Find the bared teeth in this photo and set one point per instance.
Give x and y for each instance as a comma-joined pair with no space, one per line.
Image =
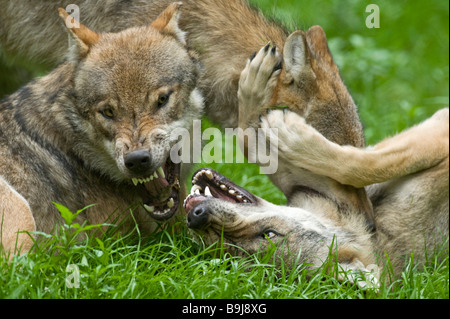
196,190
208,192
209,174
150,209
137,181
160,172
159,213
170,204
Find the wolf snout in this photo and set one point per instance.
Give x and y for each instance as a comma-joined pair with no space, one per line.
198,217
139,162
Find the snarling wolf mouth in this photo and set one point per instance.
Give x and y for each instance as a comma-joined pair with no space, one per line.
208,184
160,191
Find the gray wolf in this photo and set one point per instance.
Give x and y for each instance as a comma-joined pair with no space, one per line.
224,33
405,176
96,130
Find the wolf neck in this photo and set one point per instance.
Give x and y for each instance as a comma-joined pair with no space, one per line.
326,197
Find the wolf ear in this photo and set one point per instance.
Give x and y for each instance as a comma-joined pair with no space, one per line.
167,22
318,45
297,57
81,38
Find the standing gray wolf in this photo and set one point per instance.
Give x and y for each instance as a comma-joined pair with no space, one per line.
406,177
224,33
97,129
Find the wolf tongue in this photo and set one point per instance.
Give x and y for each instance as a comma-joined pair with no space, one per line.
159,189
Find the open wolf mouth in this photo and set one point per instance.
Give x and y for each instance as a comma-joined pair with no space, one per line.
160,191
207,184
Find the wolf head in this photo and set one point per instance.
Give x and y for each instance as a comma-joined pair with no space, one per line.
311,85
131,90
220,211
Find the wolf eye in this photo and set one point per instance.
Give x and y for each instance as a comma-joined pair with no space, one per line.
269,234
107,113
163,99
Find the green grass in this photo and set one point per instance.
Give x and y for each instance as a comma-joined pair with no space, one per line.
398,76
171,265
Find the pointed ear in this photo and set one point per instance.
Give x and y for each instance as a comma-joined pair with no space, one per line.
167,22
81,38
297,57
318,44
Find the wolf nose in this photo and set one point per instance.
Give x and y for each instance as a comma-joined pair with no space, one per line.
138,162
198,217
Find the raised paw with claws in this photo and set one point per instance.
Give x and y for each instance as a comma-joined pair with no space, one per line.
257,84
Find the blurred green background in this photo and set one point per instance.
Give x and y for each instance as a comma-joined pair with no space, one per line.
398,74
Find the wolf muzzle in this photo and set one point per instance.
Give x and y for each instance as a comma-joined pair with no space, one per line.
139,162
198,217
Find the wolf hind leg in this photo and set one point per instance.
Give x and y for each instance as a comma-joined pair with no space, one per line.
16,219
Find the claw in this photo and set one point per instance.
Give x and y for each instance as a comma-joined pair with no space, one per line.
274,49
278,66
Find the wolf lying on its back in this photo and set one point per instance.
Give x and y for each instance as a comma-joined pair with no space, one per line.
97,131
411,201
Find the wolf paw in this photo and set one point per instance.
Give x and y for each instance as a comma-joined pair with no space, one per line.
296,139
288,123
258,80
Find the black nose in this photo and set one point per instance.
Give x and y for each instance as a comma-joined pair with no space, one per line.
198,217
139,162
